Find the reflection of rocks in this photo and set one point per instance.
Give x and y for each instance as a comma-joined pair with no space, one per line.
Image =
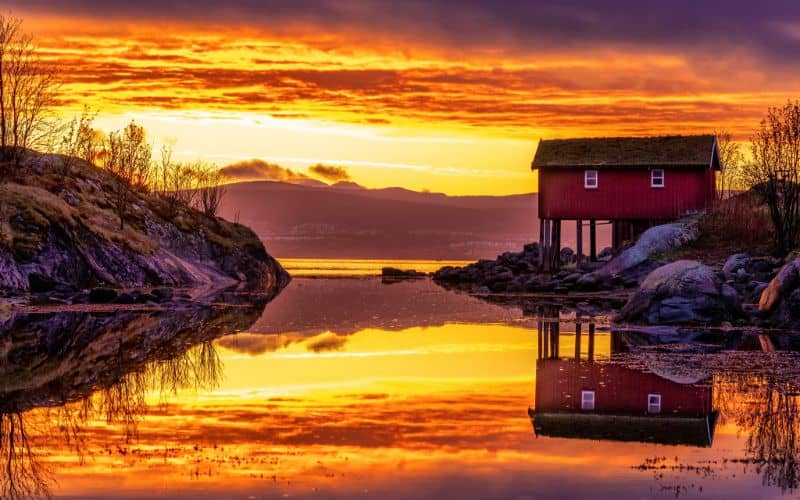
82,365
346,306
681,292
65,356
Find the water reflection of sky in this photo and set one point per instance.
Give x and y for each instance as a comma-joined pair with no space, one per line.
389,410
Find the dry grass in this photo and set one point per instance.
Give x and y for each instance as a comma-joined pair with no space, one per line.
738,224
32,200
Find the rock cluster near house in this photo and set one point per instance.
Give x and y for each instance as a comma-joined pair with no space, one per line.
518,271
682,292
745,290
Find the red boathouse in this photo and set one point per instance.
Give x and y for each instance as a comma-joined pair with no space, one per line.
634,183
581,398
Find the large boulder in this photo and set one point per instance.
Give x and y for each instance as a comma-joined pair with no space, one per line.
656,239
781,297
681,292
635,262
735,263
780,287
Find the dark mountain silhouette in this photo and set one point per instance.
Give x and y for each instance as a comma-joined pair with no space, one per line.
346,220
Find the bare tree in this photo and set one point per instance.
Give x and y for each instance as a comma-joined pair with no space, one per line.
163,173
28,92
731,161
210,190
92,144
775,171
75,141
186,182
129,159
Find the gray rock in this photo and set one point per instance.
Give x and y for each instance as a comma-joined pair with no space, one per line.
780,287
606,254
163,294
70,198
126,298
681,292
736,262
589,282
393,272
567,255
656,239
637,257
103,295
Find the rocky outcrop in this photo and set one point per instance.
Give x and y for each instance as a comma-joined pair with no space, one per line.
681,292
657,239
393,273
511,271
63,232
780,300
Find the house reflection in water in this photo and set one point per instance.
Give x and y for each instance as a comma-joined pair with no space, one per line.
585,399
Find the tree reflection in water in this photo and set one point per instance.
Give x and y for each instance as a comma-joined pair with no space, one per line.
755,387
765,408
61,371
122,404
758,392
22,475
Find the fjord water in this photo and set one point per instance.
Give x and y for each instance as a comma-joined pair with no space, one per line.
350,388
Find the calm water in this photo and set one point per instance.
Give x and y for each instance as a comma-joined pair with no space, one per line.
360,267
354,389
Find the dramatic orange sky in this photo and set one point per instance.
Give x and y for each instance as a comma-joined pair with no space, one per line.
443,95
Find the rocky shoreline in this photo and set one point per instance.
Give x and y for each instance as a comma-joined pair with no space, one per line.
644,285
61,239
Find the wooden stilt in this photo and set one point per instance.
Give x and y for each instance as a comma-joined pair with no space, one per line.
593,240
541,243
547,246
579,245
539,338
556,244
577,341
591,342
614,242
556,338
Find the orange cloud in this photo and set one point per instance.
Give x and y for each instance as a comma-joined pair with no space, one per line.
260,170
330,172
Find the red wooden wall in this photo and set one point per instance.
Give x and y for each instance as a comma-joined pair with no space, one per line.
624,193
618,390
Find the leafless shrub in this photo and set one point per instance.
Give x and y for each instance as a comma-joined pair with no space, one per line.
775,171
28,93
210,189
22,475
729,178
75,141
129,159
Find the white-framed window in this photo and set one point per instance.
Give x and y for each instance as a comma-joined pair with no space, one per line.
657,178
590,179
587,400
654,403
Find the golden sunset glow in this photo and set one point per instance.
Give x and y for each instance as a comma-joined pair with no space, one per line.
396,107
382,411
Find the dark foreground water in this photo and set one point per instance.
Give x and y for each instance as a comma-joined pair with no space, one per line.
344,388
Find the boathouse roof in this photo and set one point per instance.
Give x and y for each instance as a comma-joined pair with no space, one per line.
636,152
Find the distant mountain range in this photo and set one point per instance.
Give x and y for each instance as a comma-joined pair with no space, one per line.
310,219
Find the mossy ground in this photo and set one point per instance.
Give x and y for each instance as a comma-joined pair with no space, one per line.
34,197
